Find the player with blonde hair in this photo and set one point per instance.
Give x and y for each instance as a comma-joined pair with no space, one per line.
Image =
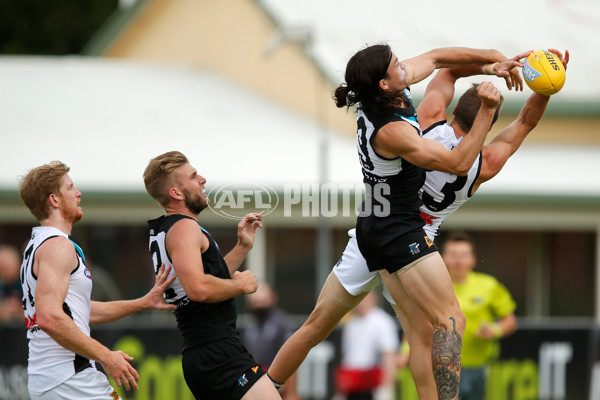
215,363
56,297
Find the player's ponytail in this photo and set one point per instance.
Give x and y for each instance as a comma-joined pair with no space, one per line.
341,96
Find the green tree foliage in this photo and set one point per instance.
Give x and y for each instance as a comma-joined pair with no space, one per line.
50,27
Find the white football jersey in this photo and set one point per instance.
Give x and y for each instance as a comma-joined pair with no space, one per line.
443,193
49,363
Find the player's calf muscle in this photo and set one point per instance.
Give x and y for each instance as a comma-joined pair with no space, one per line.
445,357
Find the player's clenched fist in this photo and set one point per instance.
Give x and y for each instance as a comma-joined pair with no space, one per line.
246,280
490,94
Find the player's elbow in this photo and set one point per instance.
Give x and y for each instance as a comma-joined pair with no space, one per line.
526,123
199,294
530,125
43,323
46,322
462,171
459,164
461,168
454,169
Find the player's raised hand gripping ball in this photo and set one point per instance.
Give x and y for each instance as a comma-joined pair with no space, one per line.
544,72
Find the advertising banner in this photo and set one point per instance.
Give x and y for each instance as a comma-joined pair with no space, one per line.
534,364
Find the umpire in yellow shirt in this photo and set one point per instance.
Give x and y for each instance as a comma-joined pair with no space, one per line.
488,308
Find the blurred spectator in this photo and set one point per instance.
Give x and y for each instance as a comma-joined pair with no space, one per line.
267,331
488,308
369,346
11,294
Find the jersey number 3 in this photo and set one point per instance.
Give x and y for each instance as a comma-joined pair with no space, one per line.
365,160
449,191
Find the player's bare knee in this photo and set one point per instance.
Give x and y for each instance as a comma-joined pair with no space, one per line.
461,321
453,321
454,317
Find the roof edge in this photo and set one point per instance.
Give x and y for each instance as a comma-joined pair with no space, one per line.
119,20
304,47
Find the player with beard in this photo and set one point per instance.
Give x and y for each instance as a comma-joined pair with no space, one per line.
56,297
215,363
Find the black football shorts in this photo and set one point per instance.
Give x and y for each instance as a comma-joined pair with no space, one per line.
220,370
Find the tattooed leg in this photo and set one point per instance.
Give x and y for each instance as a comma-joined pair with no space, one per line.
445,358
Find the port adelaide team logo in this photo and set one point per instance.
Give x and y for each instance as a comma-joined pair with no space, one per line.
233,200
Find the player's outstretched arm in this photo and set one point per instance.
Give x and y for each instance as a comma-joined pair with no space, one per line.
508,70
398,139
421,66
185,243
246,234
507,142
104,312
440,91
437,98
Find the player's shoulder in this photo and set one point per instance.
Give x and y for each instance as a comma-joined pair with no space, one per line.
185,231
398,128
184,226
57,251
55,243
183,220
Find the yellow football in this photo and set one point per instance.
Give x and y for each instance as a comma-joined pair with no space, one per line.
544,73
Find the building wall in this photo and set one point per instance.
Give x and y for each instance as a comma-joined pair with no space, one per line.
231,37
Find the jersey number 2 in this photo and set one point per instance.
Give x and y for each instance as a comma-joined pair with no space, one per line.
155,253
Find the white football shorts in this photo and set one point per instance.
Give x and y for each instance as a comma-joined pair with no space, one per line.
353,273
89,384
